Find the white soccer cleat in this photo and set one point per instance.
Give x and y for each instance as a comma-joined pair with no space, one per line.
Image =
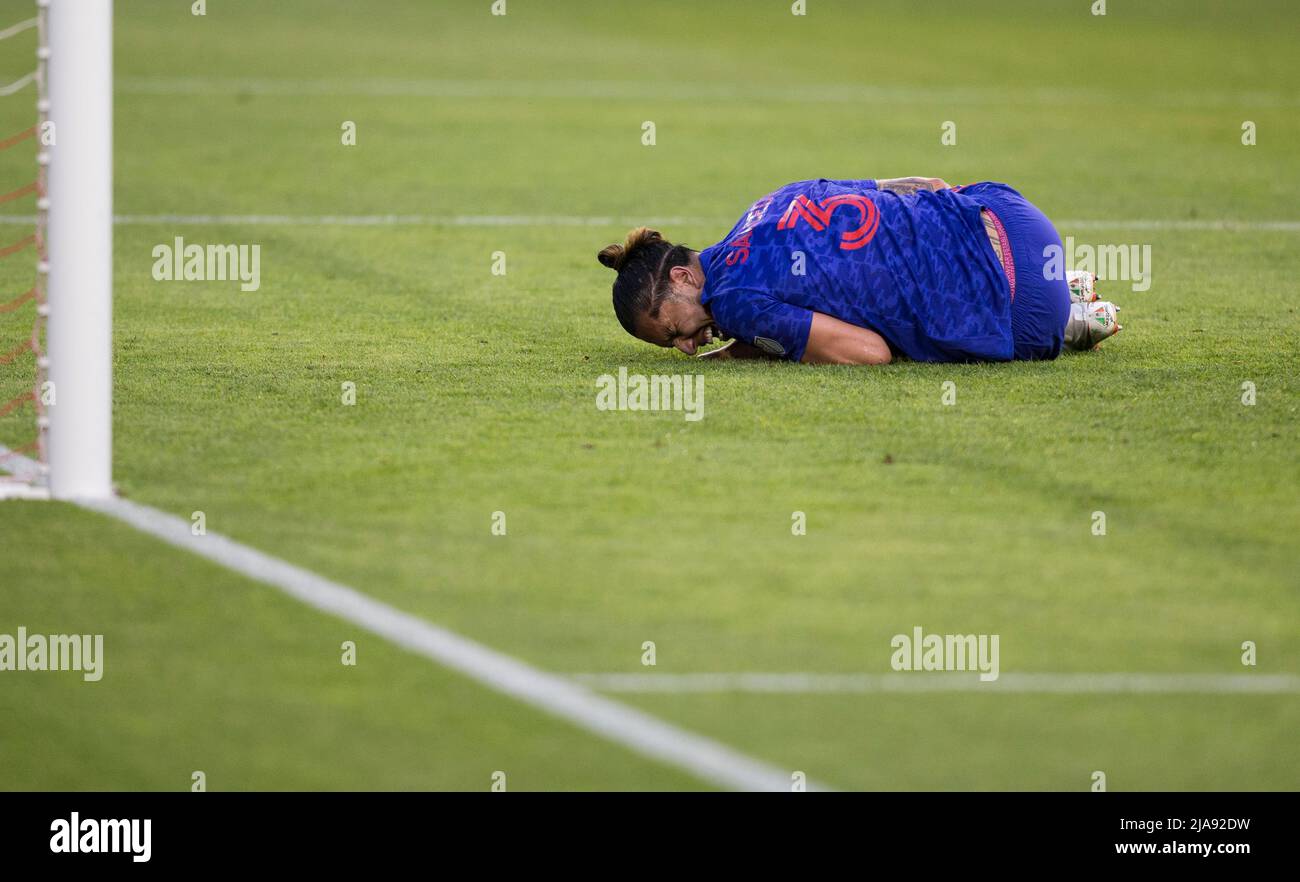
1083,286
1090,323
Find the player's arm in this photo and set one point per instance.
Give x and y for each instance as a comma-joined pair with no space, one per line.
831,341
903,186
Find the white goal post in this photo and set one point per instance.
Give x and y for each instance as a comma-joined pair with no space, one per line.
81,248
75,119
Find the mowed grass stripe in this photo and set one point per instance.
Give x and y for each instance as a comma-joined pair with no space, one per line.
566,220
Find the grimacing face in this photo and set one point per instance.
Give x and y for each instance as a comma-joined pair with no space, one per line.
682,321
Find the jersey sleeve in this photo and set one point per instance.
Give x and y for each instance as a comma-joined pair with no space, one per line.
758,318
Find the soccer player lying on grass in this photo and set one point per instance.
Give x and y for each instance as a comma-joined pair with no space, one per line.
860,272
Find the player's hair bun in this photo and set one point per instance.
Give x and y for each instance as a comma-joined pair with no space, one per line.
615,256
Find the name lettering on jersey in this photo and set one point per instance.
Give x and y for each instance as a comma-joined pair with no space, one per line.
738,247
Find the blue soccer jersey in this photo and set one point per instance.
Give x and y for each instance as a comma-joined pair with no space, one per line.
917,269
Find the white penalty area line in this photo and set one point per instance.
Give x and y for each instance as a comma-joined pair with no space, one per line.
703,757
934,681
580,220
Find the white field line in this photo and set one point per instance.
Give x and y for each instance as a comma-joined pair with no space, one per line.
918,682
22,468
586,90
580,220
386,220
558,696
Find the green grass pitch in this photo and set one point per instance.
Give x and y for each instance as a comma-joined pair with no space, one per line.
475,394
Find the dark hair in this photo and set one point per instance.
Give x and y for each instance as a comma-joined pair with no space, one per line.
643,263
